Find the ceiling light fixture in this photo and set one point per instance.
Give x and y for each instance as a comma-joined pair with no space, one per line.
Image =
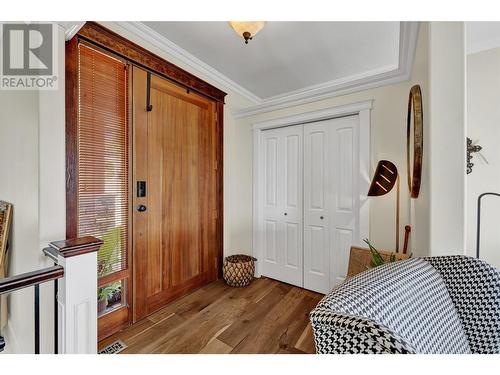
247,29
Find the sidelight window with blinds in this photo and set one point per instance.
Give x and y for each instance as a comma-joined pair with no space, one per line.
103,166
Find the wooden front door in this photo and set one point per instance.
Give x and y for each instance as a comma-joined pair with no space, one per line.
176,192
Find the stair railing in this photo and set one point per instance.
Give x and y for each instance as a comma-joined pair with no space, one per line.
79,256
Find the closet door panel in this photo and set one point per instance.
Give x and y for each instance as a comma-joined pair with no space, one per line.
346,189
317,138
342,242
317,200
293,255
317,242
272,202
271,171
292,159
345,155
270,241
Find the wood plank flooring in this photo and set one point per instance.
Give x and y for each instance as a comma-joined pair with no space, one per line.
266,317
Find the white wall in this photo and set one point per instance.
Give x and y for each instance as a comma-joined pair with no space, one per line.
483,124
420,207
19,186
32,161
445,150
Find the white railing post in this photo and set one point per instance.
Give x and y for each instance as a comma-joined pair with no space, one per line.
77,295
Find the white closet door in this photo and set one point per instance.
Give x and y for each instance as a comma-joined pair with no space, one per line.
330,188
282,204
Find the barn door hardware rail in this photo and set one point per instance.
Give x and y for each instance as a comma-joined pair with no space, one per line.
149,106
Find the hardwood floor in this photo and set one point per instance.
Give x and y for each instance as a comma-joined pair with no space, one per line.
266,317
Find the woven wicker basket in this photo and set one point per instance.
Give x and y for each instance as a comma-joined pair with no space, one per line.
239,270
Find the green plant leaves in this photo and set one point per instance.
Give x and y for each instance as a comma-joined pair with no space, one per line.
377,259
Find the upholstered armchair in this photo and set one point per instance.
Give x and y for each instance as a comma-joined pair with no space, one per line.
447,304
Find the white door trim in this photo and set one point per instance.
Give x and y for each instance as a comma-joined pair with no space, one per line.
322,114
361,109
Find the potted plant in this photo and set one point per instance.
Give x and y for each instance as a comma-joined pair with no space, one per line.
102,297
377,258
116,296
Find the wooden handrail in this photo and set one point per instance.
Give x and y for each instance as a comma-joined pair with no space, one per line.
76,246
24,280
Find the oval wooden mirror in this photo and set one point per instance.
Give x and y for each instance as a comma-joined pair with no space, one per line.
415,143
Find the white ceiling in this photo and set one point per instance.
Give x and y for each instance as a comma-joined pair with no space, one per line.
482,36
286,57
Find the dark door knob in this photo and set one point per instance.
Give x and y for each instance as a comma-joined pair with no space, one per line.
141,208
321,217
286,214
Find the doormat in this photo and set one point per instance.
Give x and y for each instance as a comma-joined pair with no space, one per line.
114,348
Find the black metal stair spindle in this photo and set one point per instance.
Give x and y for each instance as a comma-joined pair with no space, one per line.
56,316
37,318
29,279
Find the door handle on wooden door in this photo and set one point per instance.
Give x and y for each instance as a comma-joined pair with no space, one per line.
141,208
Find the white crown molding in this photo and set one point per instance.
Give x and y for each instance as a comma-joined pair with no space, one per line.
327,90
367,80
324,114
149,35
408,36
70,28
483,45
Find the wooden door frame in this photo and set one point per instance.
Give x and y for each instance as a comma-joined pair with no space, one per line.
104,39
361,109
122,316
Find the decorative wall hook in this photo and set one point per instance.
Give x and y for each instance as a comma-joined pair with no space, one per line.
473,147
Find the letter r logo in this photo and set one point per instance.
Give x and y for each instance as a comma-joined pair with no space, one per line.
27,49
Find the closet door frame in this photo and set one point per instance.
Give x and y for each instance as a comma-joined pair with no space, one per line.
362,110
